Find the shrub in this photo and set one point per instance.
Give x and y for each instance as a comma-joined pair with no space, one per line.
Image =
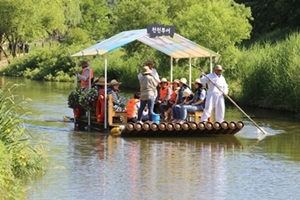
22,159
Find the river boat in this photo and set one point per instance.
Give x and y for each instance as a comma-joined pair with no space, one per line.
173,45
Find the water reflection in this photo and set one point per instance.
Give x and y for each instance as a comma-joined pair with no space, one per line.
155,168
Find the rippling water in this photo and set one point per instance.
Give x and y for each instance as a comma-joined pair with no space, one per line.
93,165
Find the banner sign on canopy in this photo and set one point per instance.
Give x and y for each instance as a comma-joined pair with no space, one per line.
155,30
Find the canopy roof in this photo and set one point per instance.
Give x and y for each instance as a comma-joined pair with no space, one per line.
176,47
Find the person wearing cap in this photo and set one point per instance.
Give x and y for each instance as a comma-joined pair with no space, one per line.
117,100
215,97
166,107
86,76
148,88
164,94
180,99
196,103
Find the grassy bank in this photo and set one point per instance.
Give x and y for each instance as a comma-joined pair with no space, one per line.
20,158
268,75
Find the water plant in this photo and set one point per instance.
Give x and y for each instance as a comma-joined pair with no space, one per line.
22,159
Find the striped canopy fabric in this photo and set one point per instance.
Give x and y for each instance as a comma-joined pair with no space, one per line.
176,47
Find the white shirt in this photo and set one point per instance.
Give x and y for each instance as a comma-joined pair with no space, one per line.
218,80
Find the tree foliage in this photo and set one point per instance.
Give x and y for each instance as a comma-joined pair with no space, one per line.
270,15
217,25
95,18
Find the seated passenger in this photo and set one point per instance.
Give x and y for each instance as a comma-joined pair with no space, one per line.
164,94
180,99
99,84
117,100
196,103
132,108
165,107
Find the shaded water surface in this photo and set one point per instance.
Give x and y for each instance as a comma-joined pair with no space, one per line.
93,165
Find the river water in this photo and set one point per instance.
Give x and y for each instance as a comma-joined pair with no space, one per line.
92,165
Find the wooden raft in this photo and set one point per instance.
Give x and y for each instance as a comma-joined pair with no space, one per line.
186,129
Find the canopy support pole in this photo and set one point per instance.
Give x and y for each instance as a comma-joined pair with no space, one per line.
105,91
171,70
210,62
190,71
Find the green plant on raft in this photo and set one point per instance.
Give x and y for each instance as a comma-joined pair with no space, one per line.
87,99
73,98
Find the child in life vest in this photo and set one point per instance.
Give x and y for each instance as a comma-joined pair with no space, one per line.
166,107
132,108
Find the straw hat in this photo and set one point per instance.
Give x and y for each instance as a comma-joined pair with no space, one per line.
183,81
146,70
197,81
100,81
187,92
84,63
176,81
115,82
163,80
218,67
149,62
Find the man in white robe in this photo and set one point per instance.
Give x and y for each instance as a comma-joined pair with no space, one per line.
215,97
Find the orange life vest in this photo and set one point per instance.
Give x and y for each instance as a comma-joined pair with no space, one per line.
85,83
131,108
163,93
173,97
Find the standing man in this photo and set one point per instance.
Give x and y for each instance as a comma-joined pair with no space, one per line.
215,97
150,64
148,88
86,76
154,73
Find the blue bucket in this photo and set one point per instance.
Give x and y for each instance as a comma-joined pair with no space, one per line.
156,118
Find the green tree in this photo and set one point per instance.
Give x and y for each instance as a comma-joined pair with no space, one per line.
29,19
95,18
217,25
131,14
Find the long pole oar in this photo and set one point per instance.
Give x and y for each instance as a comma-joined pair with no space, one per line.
264,132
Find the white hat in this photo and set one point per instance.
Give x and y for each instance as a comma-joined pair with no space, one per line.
197,81
146,70
163,80
176,81
183,80
115,82
187,92
219,67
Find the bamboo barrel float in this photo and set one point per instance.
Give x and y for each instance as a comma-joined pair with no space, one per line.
146,128
208,126
231,127
193,128
129,129
162,128
138,128
154,129
170,129
201,128
185,128
216,128
239,126
224,127
178,131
